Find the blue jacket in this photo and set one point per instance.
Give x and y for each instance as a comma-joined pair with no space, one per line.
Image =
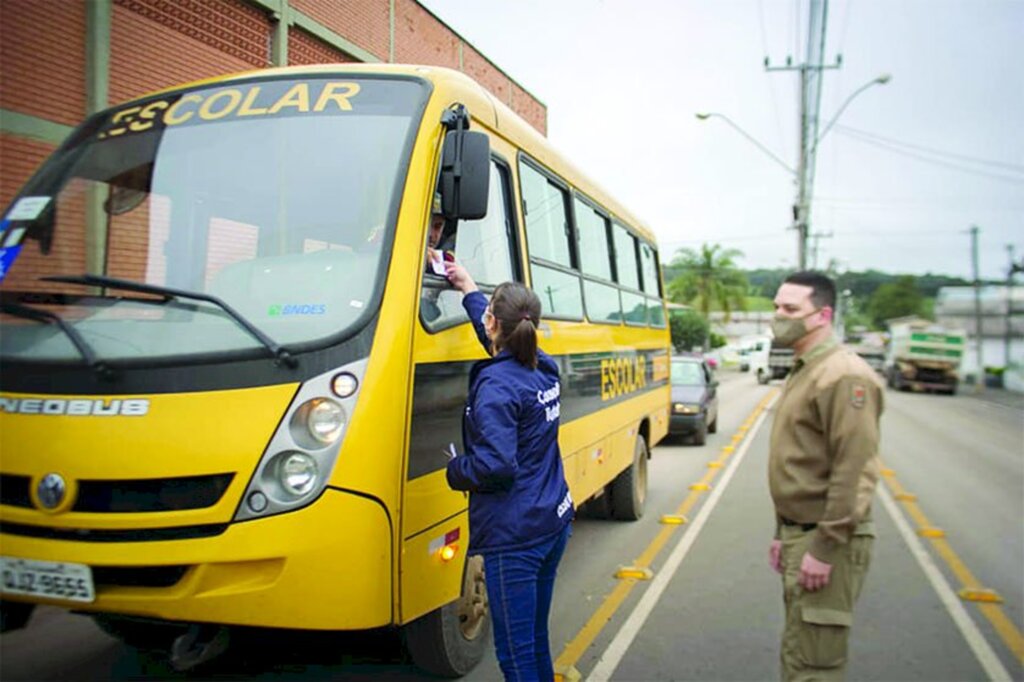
512,466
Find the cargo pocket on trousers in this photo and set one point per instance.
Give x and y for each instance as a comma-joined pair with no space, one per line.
824,636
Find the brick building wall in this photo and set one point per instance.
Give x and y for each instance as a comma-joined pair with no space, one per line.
367,23
49,49
36,76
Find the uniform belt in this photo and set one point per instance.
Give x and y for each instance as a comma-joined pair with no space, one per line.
803,526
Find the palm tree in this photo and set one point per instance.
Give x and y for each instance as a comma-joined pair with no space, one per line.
709,278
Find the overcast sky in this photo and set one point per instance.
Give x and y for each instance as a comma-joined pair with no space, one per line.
907,169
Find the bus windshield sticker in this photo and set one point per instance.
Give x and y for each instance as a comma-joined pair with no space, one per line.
8,255
12,238
27,208
233,103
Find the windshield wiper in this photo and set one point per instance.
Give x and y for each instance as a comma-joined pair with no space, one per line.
281,354
77,340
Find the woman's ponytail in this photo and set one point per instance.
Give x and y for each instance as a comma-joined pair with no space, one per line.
517,311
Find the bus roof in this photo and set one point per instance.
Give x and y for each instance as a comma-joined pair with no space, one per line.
483,106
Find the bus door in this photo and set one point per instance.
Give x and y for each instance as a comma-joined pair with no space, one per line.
445,348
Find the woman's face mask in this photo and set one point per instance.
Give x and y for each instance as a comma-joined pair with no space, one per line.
789,330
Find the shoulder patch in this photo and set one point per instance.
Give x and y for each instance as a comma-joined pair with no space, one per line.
858,395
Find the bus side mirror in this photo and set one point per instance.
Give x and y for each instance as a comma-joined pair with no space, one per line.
465,174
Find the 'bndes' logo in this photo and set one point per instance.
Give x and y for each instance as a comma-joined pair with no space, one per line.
297,309
135,407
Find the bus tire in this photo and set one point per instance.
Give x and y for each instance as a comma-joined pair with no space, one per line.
451,641
599,507
762,377
14,615
138,633
629,489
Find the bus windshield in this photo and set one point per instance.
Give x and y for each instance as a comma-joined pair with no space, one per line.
275,196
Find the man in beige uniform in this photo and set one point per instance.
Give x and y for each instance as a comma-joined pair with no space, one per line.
822,472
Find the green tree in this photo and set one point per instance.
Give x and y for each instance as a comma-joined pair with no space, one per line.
895,299
709,279
688,330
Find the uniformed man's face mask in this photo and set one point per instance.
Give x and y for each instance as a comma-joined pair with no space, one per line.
789,330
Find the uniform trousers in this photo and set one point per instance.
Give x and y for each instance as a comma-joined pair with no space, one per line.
817,630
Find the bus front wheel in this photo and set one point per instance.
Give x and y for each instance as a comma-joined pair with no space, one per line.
629,489
452,640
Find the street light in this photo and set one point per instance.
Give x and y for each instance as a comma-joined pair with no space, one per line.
808,149
805,173
702,116
881,80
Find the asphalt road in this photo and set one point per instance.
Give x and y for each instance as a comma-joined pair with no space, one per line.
713,612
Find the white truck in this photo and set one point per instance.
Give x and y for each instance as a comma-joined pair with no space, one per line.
771,362
923,356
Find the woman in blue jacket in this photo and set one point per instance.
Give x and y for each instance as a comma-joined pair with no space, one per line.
519,504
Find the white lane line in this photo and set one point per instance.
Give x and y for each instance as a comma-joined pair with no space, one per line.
612,656
982,651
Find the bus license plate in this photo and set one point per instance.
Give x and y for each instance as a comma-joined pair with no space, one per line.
50,579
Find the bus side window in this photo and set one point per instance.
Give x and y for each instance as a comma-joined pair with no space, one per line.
553,269
627,268
599,291
485,247
651,284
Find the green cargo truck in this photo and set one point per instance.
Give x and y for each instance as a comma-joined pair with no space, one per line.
923,356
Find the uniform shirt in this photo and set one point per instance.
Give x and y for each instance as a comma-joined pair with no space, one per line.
512,466
824,462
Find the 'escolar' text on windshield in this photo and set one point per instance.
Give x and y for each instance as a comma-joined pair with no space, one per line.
232,103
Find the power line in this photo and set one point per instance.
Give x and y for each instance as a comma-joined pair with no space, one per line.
913,203
846,234
936,162
931,150
846,26
771,83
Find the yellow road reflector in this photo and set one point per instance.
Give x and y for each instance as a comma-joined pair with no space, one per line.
906,497
728,449
673,519
700,486
931,532
982,594
635,572
567,673
737,438
714,465
888,473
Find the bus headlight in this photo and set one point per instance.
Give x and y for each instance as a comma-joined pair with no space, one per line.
296,472
299,460
325,420
318,423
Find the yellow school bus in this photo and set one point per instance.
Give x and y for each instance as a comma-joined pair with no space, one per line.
230,374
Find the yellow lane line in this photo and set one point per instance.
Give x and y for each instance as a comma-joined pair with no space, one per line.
1002,624
575,649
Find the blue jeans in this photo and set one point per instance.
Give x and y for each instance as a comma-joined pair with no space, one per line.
519,588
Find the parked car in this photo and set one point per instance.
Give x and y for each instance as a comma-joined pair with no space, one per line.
694,399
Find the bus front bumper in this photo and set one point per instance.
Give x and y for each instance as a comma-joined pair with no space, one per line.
327,566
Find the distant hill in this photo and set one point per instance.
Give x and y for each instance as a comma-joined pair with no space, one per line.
764,282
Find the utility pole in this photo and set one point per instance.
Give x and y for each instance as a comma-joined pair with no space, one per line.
1013,269
810,105
815,236
979,383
